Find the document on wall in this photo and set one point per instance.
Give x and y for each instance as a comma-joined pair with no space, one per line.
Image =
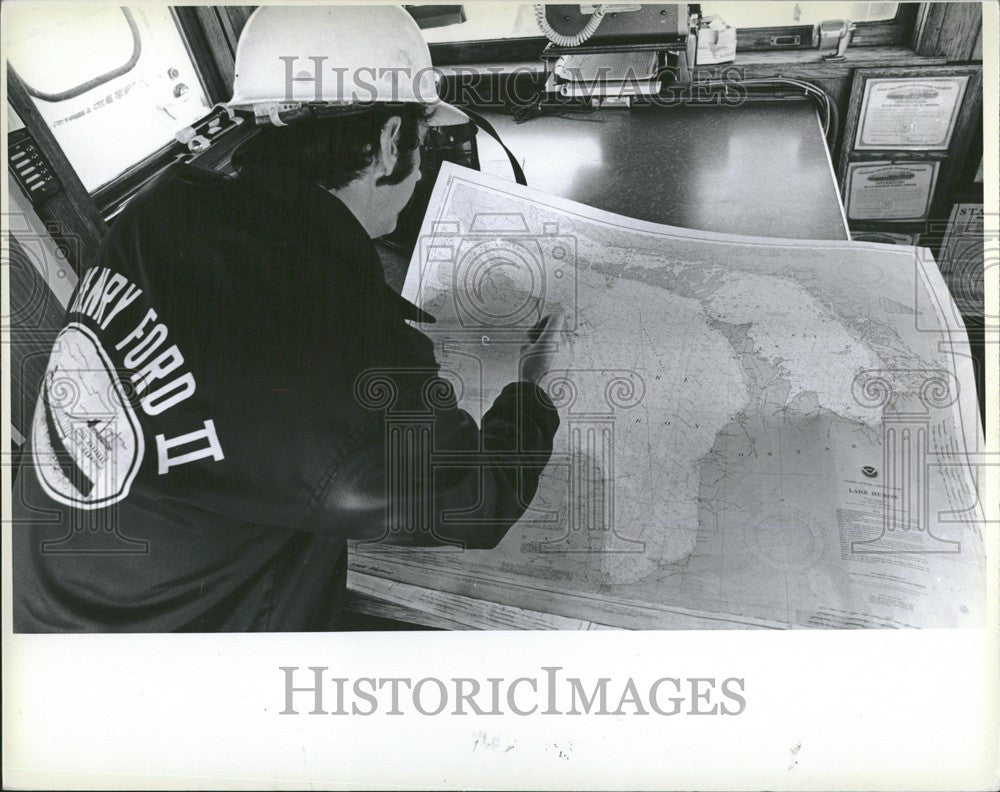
754,432
890,190
909,113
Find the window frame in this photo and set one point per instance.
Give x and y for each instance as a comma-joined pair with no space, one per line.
887,32
100,79
111,196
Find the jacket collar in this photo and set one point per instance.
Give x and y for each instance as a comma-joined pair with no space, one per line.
317,211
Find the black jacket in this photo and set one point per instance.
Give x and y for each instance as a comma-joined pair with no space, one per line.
219,414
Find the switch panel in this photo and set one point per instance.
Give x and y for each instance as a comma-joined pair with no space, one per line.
31,170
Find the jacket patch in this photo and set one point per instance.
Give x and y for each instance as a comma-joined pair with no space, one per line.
87,444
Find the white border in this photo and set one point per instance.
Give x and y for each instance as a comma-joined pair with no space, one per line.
828,710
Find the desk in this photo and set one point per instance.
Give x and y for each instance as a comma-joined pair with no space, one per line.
760,170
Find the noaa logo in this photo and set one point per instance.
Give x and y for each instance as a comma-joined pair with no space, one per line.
869,471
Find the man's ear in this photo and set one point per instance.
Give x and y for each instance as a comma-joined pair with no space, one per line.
389,144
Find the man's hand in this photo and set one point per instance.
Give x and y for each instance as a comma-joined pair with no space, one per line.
538,354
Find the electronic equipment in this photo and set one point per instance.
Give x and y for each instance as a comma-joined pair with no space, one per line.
610,23
612,54
30,168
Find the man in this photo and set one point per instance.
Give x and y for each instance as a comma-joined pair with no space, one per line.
212,426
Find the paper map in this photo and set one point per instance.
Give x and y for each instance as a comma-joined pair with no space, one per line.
754,432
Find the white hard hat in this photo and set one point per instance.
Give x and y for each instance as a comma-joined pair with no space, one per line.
335,55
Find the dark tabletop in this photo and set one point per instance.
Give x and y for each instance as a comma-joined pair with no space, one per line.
757,169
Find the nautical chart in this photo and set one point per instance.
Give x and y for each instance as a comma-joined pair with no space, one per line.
754,432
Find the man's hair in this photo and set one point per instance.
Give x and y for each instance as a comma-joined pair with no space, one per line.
333,150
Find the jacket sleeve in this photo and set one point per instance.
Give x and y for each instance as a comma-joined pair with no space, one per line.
423,474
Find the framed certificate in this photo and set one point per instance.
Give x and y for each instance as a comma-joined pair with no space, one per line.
906,114
890,190
910,113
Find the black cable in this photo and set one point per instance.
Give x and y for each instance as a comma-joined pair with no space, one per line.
831,118
522,112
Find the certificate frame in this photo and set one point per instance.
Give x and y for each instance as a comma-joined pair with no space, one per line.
965,113
855,212
963,130
878,93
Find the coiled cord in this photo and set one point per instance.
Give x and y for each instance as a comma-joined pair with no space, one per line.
568,41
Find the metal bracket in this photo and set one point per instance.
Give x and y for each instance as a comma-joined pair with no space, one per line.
201,135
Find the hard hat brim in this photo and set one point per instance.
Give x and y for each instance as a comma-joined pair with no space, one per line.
446,115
